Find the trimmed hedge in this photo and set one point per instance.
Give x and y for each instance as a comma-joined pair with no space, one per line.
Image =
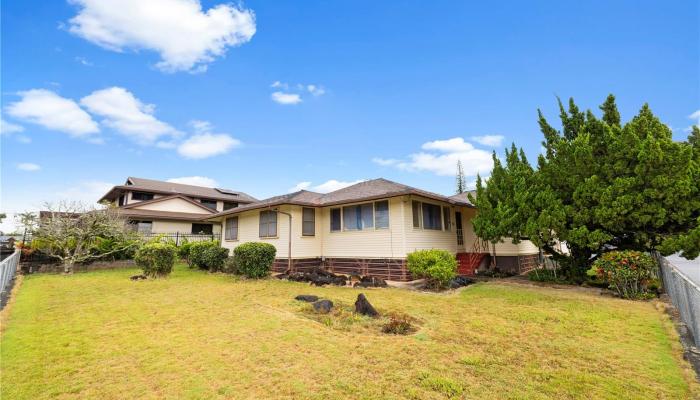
156,259
207,255
438,267
254,259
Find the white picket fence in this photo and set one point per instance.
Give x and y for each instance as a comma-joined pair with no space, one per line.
684,294
8,268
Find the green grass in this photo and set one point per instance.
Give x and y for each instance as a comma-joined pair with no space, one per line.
198,335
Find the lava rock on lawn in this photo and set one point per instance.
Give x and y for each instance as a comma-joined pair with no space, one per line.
371,281
309,298
316,276
323,306
363,306
460,281
138,277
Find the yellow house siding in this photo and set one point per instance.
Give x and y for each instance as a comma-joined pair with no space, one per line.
166,226
367,243
422,239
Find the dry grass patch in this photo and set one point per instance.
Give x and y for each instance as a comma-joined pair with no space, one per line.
196,335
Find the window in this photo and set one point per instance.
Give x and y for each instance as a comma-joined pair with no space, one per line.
202,229
416,214
121,200
448,223
358,217
209,204
381,214
144,226
308,221
231,232
431,216
229,205
268,224
141,196
335,219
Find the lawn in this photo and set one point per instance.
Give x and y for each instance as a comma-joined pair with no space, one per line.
199,335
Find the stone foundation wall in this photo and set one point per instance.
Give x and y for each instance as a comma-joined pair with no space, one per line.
58,268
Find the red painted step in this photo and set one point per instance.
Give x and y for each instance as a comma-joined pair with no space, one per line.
468,263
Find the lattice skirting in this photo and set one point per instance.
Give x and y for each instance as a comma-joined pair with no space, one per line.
393,269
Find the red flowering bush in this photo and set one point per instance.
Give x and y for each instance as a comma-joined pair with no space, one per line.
629,273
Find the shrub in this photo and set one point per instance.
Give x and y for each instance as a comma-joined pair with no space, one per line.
183,252
198,256
546,275
629,273
156,259
230,265
438,267
214,258
254,260
399,324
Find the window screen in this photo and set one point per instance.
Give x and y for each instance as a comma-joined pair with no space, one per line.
231,229
308,221
416,214
358,217
447,219
335,219
381,214
431,216
202,229
268,224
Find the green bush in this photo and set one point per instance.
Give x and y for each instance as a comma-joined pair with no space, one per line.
200,253
438,267
214,258
183,251
254,259
230,265
156,259
399,324
631,274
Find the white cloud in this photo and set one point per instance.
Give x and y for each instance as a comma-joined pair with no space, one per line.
285,98
441,158
84,61
448,145
46,108
488,140
300,186
195,180
126,114
280,85
385,162
203,145
85,191
695,115
23,139
186,37
315,90
29,167
7,128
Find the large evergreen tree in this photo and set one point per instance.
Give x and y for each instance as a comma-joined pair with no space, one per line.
461,179
598,184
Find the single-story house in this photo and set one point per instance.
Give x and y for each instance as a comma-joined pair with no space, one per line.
166,207
368,228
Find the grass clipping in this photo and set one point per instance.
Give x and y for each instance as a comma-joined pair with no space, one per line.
343,317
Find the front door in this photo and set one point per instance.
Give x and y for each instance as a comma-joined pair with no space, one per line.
460,234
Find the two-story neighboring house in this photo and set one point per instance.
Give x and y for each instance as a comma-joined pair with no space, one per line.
166,207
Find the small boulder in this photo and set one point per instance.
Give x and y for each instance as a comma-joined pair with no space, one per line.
371,281
363,306
323,306
138,277
460,281
309,298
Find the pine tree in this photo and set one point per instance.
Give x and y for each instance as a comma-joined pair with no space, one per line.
598,183
461,180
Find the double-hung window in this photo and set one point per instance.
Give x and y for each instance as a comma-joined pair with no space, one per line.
231,232
209,204
308,221
448,221
335,219
381,214
428,216
268,224
358,217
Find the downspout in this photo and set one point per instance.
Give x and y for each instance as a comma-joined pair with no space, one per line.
289,244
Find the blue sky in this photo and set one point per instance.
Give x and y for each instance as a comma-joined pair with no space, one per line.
95,91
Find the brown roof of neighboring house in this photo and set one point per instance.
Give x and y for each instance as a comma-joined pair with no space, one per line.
364,191
175,196
163,187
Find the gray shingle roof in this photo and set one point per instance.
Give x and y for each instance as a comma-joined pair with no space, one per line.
367,190
464,196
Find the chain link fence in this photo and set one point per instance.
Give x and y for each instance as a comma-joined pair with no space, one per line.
684,294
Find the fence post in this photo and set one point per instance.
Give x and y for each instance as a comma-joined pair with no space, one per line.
177,238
